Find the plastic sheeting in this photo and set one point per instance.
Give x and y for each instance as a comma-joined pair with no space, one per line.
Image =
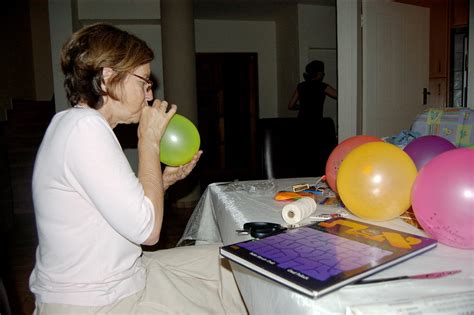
225,207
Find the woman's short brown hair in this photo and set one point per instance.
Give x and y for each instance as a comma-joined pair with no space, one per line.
93,48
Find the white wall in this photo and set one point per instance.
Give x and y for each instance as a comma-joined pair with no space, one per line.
245,36
317,29
349,68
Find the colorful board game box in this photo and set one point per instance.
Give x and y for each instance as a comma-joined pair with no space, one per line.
322,257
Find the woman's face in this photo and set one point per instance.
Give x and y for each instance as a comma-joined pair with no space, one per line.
135,94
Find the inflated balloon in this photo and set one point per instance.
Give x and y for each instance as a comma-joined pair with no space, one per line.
375,180
423,149
339,153
443,198
180,141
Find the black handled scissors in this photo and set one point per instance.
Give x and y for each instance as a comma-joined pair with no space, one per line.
261,229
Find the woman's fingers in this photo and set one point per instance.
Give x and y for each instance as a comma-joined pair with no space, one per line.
164,107
173,174
187,168
156,117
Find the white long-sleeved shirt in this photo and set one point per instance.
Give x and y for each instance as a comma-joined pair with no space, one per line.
91,214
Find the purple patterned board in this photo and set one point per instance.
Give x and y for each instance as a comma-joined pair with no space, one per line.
325,256
314,253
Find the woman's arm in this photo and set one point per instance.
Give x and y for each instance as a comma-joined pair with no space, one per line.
331,92
292,105
153,123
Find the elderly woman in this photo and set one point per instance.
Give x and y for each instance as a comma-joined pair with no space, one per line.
93,212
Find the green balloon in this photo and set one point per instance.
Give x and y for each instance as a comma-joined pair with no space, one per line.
180,142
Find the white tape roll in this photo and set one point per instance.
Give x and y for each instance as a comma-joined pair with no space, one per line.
298,210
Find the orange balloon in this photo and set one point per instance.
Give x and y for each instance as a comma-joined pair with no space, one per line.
339,153
375,181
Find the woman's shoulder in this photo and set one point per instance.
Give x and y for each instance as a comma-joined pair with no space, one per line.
78,113
76,116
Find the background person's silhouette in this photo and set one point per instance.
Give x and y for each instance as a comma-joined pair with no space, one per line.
310,94
316,133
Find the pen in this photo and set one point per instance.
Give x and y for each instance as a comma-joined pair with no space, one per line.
433,275
320,180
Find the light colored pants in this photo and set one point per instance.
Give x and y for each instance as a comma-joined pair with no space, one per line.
182,280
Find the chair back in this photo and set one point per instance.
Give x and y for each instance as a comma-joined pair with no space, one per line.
291,149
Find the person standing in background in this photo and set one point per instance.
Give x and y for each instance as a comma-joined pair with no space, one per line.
310,94
308,98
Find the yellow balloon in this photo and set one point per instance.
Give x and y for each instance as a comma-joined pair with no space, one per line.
375,180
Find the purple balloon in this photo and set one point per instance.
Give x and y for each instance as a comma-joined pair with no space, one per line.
423,149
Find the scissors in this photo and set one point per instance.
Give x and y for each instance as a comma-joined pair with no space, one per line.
261,229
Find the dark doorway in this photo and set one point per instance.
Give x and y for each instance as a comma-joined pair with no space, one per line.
227,96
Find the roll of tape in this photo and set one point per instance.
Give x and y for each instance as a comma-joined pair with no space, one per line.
298,210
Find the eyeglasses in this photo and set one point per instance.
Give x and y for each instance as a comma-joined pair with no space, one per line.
148,82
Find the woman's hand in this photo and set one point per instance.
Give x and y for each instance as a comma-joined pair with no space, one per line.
153,122
173,174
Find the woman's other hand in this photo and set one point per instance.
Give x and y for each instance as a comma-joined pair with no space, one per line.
173,174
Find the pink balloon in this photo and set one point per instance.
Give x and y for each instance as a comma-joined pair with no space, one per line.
339,153
443,198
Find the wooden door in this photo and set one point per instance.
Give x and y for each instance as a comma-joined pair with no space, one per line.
227,96
396,65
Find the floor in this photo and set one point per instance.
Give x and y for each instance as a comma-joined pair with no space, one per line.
22,243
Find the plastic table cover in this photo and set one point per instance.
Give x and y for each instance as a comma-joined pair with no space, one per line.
225,207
